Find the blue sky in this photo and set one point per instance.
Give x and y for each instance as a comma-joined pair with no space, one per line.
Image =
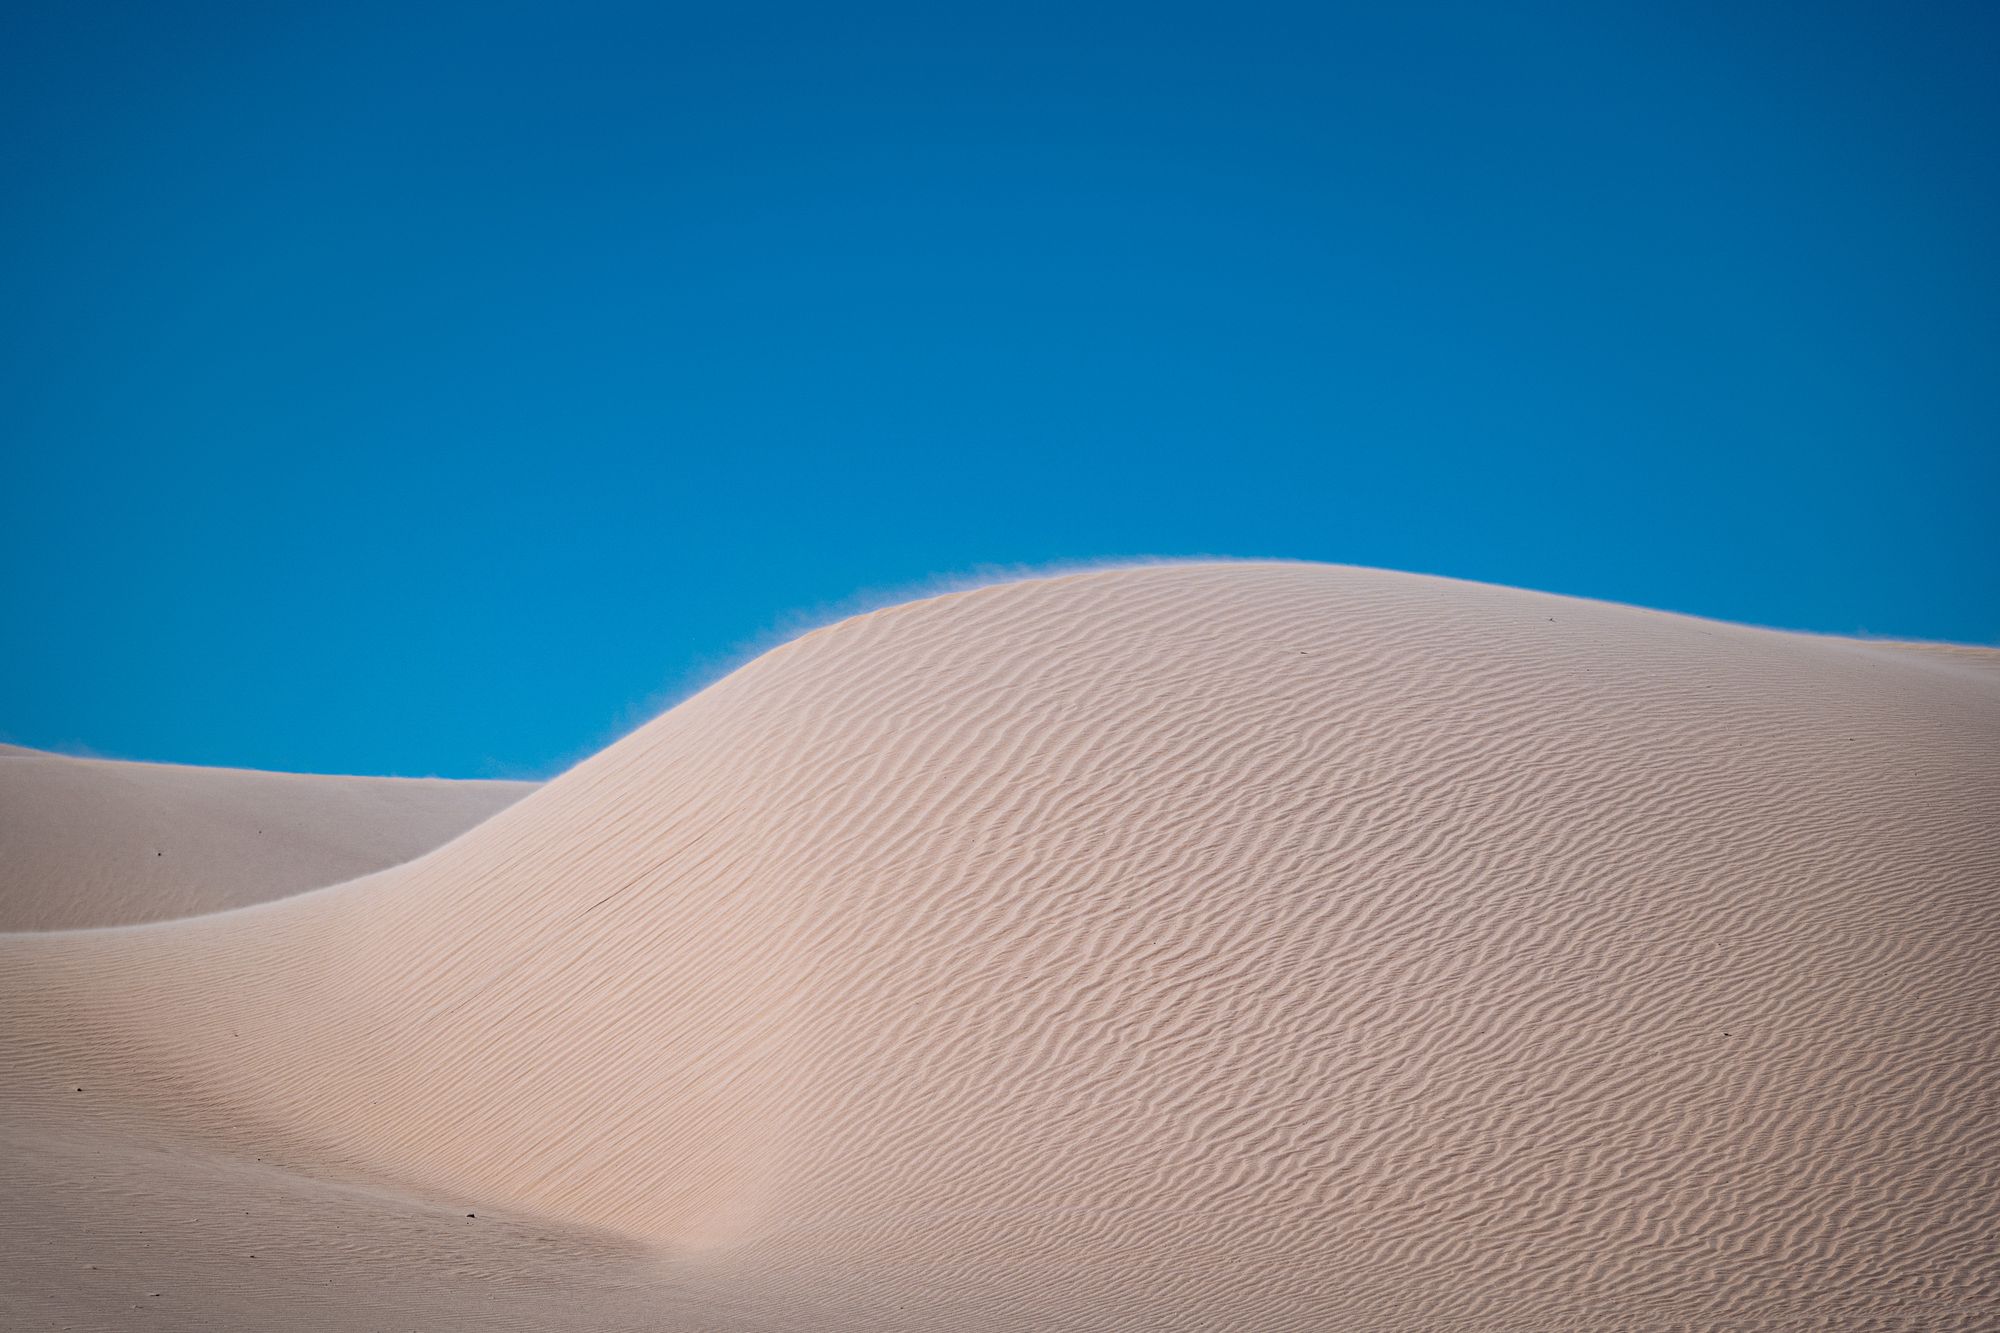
444,391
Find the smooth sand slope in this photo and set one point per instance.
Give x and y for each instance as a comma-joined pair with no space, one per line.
97,842
1211,948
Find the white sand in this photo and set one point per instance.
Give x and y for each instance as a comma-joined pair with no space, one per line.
1221,947
96,842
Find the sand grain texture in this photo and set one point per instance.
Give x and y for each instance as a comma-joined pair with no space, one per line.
1260,947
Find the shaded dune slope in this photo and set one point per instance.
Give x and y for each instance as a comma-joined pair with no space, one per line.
99,842
1250,946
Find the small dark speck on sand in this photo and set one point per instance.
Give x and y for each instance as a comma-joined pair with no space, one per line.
472,1214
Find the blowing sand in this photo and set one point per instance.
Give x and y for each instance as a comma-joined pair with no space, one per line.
1247,947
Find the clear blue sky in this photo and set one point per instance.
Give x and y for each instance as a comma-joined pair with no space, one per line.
440,389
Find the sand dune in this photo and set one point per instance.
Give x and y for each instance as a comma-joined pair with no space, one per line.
96,842
1248,947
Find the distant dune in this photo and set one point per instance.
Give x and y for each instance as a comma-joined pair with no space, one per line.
1222,947
98,842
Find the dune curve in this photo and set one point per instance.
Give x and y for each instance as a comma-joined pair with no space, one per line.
1268,947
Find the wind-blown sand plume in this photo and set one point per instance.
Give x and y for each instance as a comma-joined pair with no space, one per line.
1253,947
100,842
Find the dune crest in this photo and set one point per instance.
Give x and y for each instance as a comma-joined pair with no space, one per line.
1267,947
